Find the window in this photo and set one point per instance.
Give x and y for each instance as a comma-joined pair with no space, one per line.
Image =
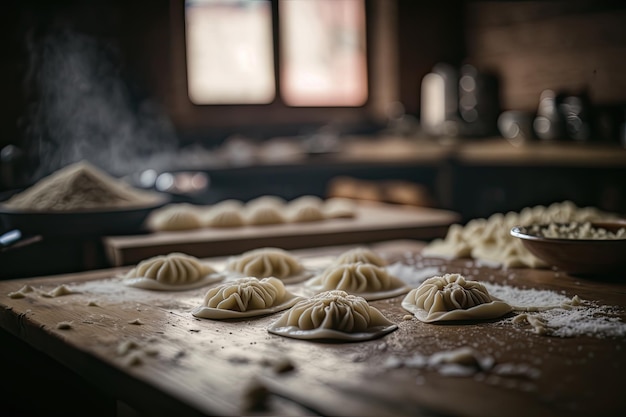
322,58
323,61
229,51
280,66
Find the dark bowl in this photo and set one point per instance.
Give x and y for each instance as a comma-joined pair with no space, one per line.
579,256
114,221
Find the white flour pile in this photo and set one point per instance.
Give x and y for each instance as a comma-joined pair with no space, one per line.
79,186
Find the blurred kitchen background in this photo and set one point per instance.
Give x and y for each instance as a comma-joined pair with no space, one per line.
474,106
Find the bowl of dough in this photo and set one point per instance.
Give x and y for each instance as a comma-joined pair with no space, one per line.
578,248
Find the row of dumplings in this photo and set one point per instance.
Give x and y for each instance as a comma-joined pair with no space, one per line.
335,301
263,210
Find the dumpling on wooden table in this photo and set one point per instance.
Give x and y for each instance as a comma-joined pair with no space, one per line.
307,208
227,213
268,262
245,297
265,210
452,297
333,315
339,208
366,280
360,254
180,216
172,272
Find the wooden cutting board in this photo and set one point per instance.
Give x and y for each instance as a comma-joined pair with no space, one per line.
189,366
373,222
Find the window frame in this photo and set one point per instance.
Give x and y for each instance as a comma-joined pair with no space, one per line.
381,60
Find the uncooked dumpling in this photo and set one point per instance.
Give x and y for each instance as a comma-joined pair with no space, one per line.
175,217
176,271
337,207
268,262
227,213
333,315
245,297
360,254
366,280
452,297
307,208
265,210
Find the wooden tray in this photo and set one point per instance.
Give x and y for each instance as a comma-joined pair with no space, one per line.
373,222
205,367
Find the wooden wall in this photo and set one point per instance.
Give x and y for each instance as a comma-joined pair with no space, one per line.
571,46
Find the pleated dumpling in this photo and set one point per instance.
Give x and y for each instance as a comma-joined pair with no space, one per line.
452,297
307,208
366,280
245,297
360,254
268,262
173,217
227,213
176,271
339,208
265,210
333,315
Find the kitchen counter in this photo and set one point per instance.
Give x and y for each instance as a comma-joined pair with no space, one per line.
146,350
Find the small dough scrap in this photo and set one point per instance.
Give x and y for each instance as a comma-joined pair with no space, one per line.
366,280
26,289
176,271
339,208
333,315
265,210
245,297
227,213
268,262
307,208
173,217
360,254
59,291
452,297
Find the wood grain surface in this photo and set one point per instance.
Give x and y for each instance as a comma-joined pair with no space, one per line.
189,366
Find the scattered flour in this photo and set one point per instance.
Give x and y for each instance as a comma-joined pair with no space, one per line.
556,314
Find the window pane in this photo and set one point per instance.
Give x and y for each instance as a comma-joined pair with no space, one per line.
229,51
323,55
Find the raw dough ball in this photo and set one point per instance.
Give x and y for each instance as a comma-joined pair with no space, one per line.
367,280
332,315
452,297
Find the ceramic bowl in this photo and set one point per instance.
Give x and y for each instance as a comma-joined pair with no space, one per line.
578,256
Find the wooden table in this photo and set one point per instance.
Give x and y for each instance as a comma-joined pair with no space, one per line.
374,222
188,366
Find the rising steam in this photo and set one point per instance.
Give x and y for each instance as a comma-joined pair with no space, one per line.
83,109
